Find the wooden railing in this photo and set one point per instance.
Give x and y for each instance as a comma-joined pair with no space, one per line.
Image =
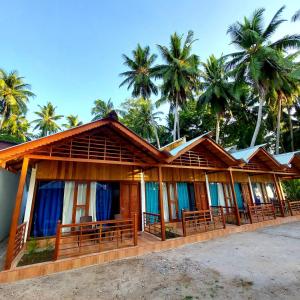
262,212
282,208
202,220
152,223
19,240
294,207
229,213
92,237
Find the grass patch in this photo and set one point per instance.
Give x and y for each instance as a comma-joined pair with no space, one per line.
36,257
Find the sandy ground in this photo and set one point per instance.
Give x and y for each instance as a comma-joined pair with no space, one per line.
258,265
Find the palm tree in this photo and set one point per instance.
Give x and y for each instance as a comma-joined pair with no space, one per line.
217,90
17,126
46,122
73,121
139,77
138,115
101,109
179,74
258,61
14,94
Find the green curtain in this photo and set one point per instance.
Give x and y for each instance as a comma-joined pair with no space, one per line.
183,197
239,196
152,197
213,190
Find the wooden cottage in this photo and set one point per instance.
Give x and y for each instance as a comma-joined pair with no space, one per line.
94,187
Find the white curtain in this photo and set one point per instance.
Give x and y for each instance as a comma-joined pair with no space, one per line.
221,194
165,201
92,211
68,202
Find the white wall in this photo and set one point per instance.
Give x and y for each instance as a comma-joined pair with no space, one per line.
8,190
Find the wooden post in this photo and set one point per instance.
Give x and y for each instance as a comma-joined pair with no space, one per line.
161,205
278,192
16,213
135,228
57,241
237,213
250,214
183,222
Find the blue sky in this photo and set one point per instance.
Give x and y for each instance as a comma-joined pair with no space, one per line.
70,51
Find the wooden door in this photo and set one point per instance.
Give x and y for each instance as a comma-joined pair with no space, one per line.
130,201
246,194
201,197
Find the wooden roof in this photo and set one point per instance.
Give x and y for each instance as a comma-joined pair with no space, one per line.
113,125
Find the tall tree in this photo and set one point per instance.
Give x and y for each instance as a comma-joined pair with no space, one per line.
217,89
296,16
72,121
140,77
101,109
179,74
14,95
258,61
17,126
138,115
47,121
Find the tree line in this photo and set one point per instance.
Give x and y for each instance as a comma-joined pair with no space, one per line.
245,98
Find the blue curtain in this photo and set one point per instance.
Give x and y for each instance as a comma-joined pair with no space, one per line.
48,208
152,197
183,197
213,190
103,201
192,196
239,197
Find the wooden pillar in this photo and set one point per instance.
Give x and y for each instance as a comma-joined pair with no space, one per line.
16,213
161,205
279,195
238,219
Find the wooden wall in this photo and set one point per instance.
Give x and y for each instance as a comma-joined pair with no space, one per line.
265,178
61,170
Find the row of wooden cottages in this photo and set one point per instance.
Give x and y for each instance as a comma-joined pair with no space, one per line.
100,182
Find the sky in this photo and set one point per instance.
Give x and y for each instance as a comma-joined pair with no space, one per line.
70,51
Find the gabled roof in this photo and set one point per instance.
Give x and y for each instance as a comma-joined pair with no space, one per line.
209,143
247,153
23,149
257,151
286,158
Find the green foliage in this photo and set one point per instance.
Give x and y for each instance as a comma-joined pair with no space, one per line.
72,121
292,189
101,109
32,246
46,122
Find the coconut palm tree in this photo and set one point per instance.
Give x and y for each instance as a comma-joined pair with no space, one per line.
179,74
138,115
14,94
101,109
46,122
17,126
140,77
73,121
217,89
258,60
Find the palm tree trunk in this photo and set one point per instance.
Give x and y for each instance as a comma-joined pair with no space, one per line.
218,128
278,126
175,118
155,131
259,118
291,129
178,125
3,117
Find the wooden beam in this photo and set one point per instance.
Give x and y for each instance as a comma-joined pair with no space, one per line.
161,205
16,213
98,161
279,195
234,199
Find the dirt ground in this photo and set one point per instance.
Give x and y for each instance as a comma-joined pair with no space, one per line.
257,265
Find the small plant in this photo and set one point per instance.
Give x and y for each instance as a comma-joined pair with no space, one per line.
32,246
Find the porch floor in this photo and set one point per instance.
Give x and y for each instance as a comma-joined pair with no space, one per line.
147,243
